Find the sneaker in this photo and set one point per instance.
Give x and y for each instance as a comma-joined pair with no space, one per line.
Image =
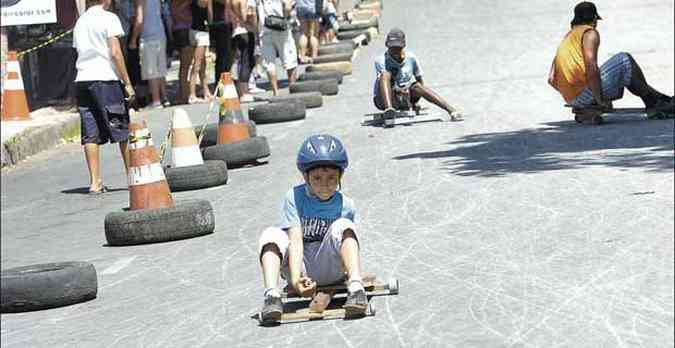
246,98
356,304
256,90
272,309
157,105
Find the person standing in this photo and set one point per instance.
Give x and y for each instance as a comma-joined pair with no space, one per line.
221,33
202,14
100,67
277,39
244,23
308,43
181,13
149,26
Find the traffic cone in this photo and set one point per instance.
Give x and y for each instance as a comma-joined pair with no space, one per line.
184,146
148,188
14,102
232,125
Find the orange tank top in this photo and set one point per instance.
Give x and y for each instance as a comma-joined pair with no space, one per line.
570,71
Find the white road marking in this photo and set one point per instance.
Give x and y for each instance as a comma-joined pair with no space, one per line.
118,265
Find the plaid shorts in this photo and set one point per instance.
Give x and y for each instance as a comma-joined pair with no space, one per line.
615,75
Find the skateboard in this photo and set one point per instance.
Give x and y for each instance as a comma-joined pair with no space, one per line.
402,117
596,115
328,302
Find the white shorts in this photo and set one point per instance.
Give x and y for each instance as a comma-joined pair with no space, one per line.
278,44
153,59
199,38
322,261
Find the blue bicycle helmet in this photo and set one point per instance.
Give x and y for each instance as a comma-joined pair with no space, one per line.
322,150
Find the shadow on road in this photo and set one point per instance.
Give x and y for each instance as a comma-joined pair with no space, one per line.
624,142
85,190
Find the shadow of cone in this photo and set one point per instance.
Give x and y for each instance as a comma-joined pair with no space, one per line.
184,147
232,125
14,103
148,188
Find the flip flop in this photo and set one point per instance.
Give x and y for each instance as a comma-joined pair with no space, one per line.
103,189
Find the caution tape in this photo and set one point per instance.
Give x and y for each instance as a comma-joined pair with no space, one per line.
46,43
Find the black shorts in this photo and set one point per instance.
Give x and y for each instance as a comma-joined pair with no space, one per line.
181,38
378,100
103,115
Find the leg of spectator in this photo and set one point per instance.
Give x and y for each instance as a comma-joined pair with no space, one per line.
92,157
186,54
194,75
314,38
125,155
202,76
291,76
155,90
304,40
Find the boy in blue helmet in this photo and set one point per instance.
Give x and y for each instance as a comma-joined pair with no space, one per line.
316,242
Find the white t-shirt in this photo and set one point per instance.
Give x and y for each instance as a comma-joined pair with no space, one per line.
90,38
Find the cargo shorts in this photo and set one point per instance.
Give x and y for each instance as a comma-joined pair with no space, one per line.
103,115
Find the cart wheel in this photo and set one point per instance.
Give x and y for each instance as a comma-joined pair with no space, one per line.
371,308
260,321
598,120
577,119
393,286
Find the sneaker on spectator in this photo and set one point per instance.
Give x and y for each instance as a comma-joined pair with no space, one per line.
256,90
157,105
246,98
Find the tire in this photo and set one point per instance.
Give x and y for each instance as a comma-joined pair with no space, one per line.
311,99
278,112
350,35
339,44
322,75
344,67
330,58
239,153
326,87
209,174
48,285
336,49
211,133
361,25
187,219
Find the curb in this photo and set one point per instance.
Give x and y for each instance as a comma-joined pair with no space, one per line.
35,139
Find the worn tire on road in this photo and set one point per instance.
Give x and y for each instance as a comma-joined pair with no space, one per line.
344,67
326,87
330,58
335,49
351,34
322,75
48,285
278,112
209,174
186,219
211,133
311,99
237,154
360,25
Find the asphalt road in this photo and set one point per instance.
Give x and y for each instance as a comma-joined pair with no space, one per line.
514,228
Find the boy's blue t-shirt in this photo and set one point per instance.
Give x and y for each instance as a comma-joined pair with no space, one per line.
403,74
301,208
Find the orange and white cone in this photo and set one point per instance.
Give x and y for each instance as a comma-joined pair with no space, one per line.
232,126
184,147
148,188
14,102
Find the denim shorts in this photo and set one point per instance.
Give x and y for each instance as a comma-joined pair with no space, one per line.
615,74
307,13
103,115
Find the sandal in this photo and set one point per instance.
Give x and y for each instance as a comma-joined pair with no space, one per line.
103,189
